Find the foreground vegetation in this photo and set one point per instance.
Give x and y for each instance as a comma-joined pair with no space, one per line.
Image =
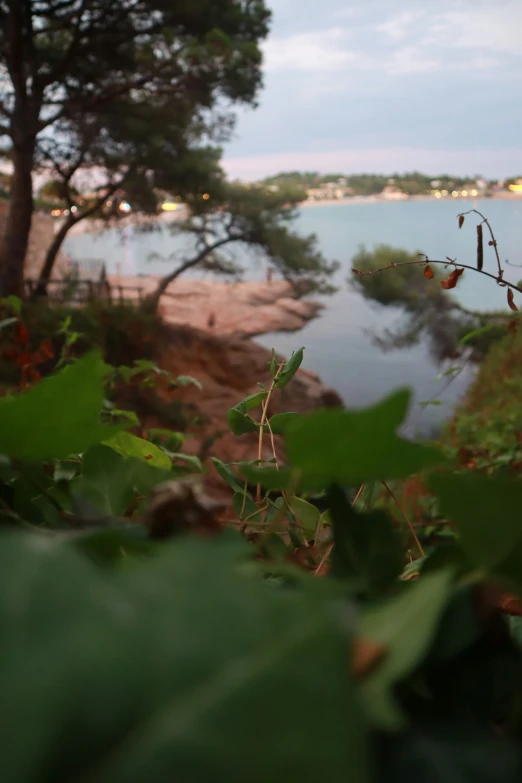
318,635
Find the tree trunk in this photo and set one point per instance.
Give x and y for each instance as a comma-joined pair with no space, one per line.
18,224
50,258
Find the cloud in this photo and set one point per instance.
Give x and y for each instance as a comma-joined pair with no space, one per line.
322,51
376,76
399,27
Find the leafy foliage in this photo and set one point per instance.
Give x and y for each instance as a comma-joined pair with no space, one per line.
142,638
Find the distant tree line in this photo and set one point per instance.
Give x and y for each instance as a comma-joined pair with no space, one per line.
413,183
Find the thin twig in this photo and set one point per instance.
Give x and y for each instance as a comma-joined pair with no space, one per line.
408,522
423,261
331,546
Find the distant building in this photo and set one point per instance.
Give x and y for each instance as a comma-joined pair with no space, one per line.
393,193
329,191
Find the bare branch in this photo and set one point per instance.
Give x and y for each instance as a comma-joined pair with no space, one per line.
449,262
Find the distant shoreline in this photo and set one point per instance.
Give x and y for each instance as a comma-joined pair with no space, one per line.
358,200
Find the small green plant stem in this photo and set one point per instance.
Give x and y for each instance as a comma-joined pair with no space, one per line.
262,423
408,521
272,527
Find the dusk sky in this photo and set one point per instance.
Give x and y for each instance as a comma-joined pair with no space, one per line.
387,85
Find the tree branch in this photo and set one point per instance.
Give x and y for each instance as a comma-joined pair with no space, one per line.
164,283
422,262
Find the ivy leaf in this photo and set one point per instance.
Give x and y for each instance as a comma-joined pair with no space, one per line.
485,511
353,447
58,416
131,446
106,482
367,549
190,713
405,626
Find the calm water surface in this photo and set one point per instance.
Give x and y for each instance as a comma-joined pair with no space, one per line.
338,344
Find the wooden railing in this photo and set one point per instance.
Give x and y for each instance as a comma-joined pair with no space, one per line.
76,291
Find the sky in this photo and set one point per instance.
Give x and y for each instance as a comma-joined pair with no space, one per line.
386,86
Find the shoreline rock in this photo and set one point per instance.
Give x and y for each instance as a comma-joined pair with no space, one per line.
244,309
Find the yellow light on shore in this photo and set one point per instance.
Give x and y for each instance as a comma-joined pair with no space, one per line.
205,196
437,194
169,206
464,193
515,188
455,194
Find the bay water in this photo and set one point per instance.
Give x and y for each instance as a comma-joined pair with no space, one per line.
339,343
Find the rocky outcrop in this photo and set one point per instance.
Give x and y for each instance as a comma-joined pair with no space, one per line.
241,309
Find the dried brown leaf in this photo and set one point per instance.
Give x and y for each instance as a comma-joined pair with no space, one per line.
452,280
510,301
461,221
428,272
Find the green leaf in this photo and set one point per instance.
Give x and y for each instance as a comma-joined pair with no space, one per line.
486,511
227,475
476,333
353,447
152,687
238,420
131,446
106,482
188,380
367,549
269,478
115,544
13,302
406,626
451,371
280,422
129,415
291,367
307,515
58,416
191,460
7,322
245,508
